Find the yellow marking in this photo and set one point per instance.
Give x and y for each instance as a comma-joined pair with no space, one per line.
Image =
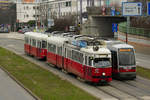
124,50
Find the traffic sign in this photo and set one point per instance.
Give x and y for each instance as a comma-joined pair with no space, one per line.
50,22
114,27
148,8
131,8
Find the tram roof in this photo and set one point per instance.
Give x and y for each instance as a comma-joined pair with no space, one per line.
122,46
35,35
115,45
56,40
101,50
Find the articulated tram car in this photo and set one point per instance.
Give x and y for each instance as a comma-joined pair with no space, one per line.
36,44
78,56
81,59
123,60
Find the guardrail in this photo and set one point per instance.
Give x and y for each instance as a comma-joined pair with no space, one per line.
122,27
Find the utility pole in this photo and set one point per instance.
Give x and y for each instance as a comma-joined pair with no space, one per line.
77,12
80,12
36,15
59,9
128,26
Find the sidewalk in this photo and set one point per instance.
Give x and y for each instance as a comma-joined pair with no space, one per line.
135,39
14,35
10,90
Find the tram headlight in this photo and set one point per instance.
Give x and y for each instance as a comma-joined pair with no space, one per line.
103,74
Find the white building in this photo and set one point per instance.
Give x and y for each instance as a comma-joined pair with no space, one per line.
26,12
67,7
61,8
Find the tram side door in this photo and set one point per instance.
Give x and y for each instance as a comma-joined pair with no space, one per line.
86,68
39,48
30,48
65,59
114,62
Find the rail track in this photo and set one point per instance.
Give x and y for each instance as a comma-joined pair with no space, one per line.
138,89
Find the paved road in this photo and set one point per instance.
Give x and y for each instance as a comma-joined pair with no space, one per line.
10,90
143,60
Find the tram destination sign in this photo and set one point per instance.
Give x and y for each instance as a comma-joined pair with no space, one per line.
131,8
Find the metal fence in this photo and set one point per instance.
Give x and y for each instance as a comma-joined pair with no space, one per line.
122,27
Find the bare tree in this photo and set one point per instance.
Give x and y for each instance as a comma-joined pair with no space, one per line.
141,21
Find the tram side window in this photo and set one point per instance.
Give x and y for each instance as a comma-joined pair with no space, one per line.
48,47
26,40
81,59
39,44
75,55
52,48
33,42
85,60
69,53
59,51
90,62
30,41
114,59
44,44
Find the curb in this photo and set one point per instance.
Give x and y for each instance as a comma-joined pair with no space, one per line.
20,84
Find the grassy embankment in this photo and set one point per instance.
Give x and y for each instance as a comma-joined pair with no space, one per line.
41,82
144,72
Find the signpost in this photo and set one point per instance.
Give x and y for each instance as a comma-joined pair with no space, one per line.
131,9
114,27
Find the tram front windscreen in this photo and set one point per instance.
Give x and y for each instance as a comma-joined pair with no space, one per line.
126,57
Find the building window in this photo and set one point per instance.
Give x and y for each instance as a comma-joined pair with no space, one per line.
68,4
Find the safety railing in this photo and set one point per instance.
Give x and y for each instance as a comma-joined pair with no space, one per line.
122,27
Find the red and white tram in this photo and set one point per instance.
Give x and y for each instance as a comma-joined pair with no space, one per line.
88,62
123,60
36,44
